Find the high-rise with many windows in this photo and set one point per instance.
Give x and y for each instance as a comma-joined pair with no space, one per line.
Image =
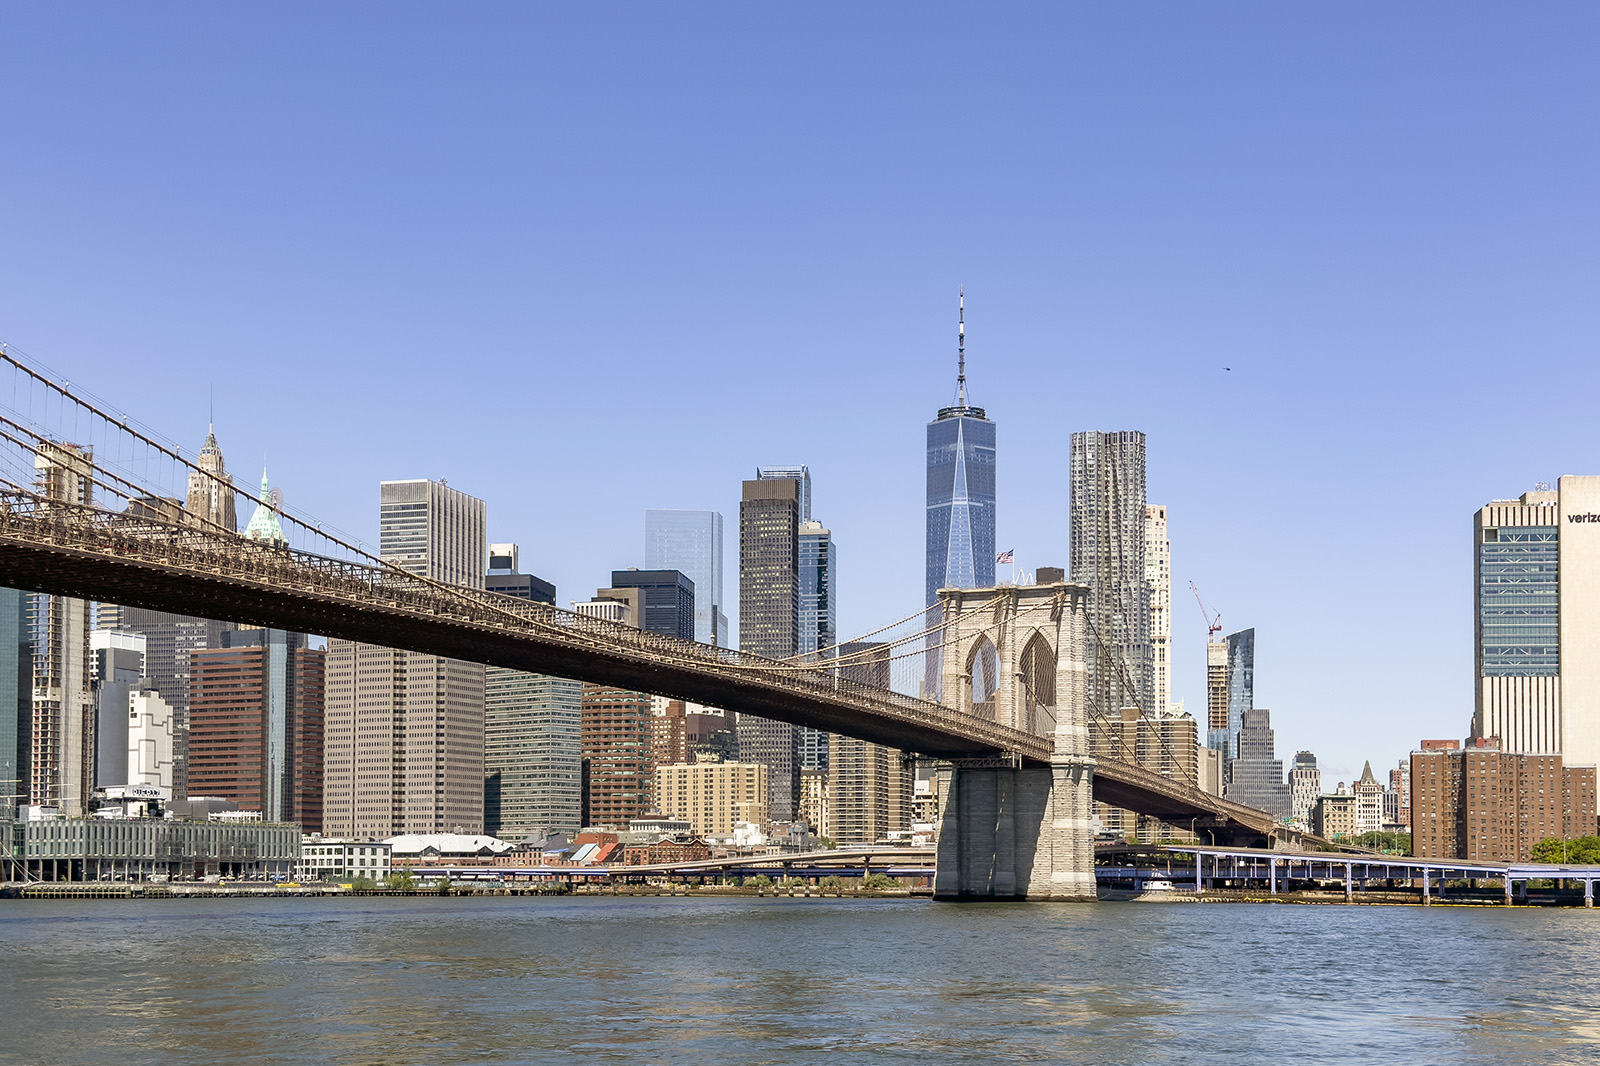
256,725
691,543
960,489
405,730
1107,508
211,498
1536,578
532,730
1158,575
16,700
769,622
62,743
819,629
667,599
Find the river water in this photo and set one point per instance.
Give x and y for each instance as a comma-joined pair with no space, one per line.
396,981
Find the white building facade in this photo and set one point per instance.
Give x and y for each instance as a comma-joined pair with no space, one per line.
1536,571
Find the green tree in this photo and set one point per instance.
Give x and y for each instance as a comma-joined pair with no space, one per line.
402,880
879,882
1579,851
1390,843
363,883
831,884
758,881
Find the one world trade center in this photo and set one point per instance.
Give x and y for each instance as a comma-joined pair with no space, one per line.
961,551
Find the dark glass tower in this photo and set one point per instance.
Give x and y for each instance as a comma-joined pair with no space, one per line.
769,623
961,483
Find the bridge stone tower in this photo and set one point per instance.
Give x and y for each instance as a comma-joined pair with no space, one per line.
1015,656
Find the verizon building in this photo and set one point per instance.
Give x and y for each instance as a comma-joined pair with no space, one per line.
1536,578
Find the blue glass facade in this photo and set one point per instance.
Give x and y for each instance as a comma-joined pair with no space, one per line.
691,543
1518,607
818,621
16,698
961,501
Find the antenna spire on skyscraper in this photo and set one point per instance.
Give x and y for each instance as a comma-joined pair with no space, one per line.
961,348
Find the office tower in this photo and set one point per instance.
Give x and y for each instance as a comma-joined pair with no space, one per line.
870,786
211,498
411,724
960,489
118,666
1537,621
429,529
713,795
691,543
256,724
769,623
532,748
170,639
618,769
819,628
533,743
505,579
1158,575
1217,696
960,541
800,475
1483,804
1255,774
667,599
62,719
16,700
1241,681
1305,785
1107,506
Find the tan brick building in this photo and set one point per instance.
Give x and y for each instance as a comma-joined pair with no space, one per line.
712,795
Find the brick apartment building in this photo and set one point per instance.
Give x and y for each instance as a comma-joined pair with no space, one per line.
1483,804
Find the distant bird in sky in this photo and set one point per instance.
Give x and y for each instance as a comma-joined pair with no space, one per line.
1227,368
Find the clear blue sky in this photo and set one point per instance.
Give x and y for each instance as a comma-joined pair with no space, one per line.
582,262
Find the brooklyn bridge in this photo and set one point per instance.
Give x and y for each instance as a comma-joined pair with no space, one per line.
1017,817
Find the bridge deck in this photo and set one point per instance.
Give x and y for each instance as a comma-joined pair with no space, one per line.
89,553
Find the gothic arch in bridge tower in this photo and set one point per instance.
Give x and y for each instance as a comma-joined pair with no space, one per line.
1008,830
1035,635
981,678
1036,675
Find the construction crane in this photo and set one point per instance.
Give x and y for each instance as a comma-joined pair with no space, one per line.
1213,621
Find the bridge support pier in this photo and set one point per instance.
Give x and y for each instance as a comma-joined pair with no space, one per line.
1017,833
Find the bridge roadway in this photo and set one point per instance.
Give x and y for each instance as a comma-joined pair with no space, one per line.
72,550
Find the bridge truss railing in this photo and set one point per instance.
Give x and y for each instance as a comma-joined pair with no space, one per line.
152,538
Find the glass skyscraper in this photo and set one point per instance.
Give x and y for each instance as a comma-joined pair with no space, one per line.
818,621
1241,685
16,700
691,543
961,482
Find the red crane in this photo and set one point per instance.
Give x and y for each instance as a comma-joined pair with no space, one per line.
1214,621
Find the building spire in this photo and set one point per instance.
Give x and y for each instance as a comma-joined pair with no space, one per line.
961,349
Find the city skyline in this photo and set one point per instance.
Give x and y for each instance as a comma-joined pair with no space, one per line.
1266,270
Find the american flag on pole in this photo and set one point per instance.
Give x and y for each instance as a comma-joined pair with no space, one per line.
1005,556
